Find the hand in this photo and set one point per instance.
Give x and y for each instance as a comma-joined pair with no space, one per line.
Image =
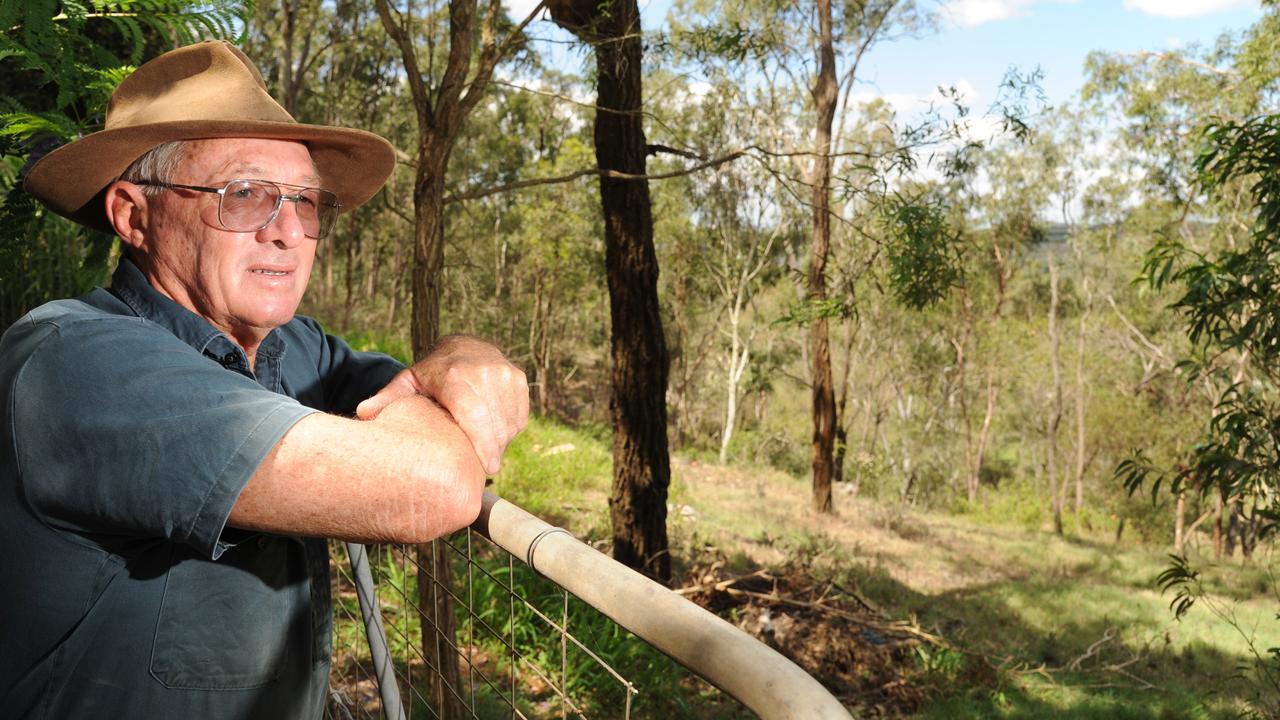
486,395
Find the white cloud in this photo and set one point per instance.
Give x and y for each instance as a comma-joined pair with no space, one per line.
906,105
970,13
1186,8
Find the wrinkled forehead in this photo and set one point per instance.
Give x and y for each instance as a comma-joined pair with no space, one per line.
222,159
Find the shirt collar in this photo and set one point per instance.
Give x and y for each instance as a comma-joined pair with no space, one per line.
131,286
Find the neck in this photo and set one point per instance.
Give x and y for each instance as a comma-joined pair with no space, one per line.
248,340
248,337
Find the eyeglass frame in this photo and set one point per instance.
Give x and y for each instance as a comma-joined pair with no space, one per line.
275,212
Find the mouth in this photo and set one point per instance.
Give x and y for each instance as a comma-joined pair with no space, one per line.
272,270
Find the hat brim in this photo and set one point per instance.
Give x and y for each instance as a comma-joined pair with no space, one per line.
70,180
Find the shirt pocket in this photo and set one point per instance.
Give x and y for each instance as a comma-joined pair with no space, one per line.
230,623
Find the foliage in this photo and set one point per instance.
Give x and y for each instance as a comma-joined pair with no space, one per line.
59,62
924,252
1229,301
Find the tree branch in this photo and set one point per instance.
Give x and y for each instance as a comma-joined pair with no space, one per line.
417,87
612,174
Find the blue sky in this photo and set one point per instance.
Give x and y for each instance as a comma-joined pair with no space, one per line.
979,40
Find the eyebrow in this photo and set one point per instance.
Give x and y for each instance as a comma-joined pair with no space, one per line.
257,172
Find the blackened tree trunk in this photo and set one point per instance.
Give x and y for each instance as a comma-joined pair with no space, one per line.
825,95
641,464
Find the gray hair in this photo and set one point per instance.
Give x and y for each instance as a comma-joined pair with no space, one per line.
159,164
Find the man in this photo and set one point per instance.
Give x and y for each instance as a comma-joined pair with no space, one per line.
176,447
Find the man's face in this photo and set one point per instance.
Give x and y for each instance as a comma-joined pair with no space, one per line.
244,283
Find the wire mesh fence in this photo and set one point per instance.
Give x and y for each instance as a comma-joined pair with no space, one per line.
469,627
499,640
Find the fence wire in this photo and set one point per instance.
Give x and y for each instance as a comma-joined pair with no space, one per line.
500,640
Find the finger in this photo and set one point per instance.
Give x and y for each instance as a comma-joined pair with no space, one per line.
400,386
480,424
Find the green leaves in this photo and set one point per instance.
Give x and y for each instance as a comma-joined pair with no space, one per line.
1183,581
47,43
59,62
924,251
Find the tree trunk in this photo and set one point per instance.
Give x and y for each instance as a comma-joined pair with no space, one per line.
440,108
739,357
825,92
984,438
1055,403
1082,395
428,255
641,463
435,574
1179,522
1217,526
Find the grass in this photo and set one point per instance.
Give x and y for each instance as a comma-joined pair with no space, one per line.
1037,626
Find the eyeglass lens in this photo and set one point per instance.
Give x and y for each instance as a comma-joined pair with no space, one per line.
250,205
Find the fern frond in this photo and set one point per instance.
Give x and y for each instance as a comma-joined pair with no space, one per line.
25,125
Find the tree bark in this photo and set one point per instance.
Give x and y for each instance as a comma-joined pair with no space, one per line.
441,111
984,437
641,463
1217,526
1055,402
825,95
1179,521
1082,389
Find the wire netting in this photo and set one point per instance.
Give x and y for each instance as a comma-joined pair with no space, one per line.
500,641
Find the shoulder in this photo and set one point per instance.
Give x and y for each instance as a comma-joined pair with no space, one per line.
68,322
63,321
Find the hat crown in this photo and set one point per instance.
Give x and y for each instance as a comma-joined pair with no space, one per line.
210,80
201,91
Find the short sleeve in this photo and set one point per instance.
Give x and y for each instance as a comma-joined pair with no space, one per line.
121,429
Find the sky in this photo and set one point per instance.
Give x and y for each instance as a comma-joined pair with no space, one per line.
979,40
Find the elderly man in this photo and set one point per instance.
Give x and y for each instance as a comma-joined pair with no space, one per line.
177,446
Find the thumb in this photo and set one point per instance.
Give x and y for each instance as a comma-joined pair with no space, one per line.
399,387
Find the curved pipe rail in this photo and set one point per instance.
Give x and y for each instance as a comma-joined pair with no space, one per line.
756,675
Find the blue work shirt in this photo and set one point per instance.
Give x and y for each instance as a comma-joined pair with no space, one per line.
130,425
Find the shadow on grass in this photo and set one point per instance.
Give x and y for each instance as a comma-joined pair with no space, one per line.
1063,646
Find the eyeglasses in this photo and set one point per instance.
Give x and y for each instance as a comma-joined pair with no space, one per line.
250,205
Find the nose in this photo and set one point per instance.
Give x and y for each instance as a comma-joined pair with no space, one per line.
286,231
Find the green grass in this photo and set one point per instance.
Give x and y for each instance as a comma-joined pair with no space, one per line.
1038,626
559,474
1031,603
1080,631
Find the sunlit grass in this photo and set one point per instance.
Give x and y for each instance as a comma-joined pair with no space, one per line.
1075,627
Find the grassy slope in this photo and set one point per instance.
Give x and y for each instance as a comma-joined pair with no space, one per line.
1075,625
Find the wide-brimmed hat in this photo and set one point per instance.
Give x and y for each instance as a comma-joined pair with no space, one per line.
206,90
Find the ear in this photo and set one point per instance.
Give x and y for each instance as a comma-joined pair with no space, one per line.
127,209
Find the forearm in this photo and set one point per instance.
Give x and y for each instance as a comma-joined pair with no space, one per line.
408,476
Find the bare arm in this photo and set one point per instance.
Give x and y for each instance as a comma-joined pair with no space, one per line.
486,394
409,475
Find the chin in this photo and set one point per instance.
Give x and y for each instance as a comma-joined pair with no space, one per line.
271,318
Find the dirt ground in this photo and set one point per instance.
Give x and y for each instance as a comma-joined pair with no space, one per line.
875,666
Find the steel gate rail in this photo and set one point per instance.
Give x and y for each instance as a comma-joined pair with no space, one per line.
760,678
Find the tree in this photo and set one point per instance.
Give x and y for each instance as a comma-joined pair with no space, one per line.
816,46
59,63
1209,251
441,106
640,363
